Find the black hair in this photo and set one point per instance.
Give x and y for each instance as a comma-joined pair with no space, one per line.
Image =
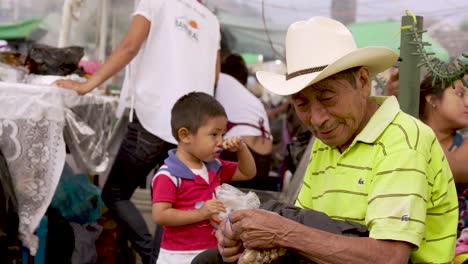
428,88
234,65
192,110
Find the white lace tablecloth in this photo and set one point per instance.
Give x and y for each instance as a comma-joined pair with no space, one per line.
33,122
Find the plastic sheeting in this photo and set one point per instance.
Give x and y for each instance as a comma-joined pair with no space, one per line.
33,122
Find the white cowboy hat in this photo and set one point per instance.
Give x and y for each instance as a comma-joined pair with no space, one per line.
319,48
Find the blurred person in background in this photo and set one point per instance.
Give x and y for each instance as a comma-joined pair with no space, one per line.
247,118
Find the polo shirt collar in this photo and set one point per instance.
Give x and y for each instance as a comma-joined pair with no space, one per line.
381,119
178,169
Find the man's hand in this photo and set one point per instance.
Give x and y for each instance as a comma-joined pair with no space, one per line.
212,207
259,228
79,87
229,244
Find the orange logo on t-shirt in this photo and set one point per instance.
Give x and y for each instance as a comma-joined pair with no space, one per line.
193,24
189,26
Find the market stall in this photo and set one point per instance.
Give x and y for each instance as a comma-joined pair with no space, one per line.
36,123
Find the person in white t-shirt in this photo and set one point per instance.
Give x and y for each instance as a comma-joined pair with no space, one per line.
171,49
247,118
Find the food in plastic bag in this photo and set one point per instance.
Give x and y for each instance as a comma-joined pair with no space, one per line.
252,256
234,199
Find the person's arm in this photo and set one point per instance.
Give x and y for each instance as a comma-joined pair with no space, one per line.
325,247
246,168
263,229
164,214
119,58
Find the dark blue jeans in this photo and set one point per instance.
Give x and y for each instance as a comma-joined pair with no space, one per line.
139,153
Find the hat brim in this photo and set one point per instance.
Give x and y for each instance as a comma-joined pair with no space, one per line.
376,59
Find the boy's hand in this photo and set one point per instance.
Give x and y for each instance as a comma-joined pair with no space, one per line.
212,207
234,144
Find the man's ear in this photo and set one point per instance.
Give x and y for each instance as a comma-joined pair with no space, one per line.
364,80
184,135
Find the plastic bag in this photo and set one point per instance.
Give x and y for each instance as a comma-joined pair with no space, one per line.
47,60
234,199
13,74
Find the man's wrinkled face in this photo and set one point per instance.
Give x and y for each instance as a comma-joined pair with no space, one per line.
335,110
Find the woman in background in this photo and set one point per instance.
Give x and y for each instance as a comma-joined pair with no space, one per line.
445,109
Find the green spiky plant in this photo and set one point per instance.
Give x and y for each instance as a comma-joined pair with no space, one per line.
446,72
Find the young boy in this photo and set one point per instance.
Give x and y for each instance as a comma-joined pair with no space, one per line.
184,187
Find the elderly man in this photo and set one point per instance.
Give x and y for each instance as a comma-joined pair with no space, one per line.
371,163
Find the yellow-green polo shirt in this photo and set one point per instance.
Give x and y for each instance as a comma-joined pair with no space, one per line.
394,179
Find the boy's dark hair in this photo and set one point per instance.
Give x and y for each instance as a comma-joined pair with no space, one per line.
234,65
192,111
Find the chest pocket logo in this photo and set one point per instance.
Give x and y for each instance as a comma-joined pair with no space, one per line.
190,27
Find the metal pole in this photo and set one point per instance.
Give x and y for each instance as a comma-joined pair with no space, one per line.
66,23
409,73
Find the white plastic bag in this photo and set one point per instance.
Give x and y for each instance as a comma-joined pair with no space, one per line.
234,199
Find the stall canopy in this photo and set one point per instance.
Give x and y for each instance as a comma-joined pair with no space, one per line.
251,37
259,27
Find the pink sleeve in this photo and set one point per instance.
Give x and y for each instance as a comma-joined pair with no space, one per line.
164,189
228,169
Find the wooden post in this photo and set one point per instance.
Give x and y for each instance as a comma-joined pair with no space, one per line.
409,73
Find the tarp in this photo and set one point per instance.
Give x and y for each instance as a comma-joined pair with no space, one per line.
387,34
19,30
